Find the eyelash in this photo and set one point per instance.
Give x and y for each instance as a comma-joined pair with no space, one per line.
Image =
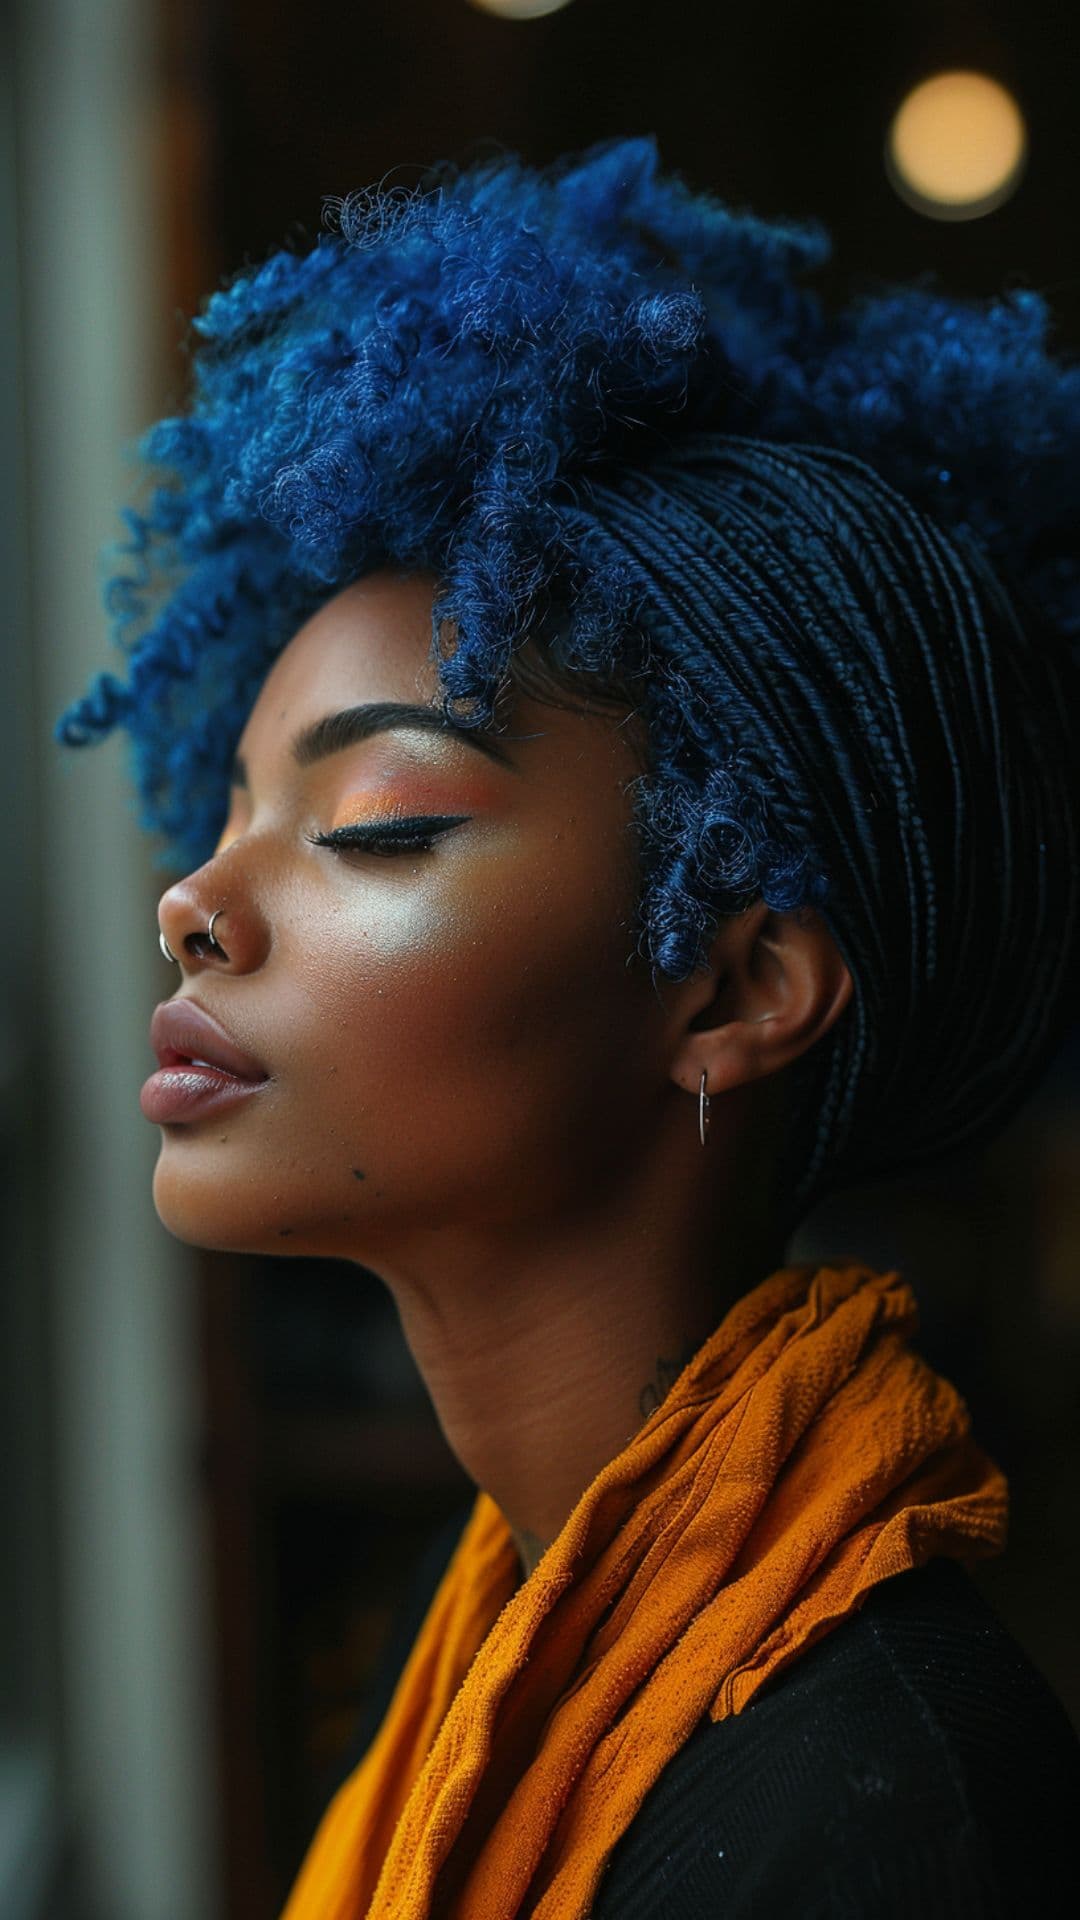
399,836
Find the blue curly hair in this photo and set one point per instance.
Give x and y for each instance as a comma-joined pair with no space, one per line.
832,560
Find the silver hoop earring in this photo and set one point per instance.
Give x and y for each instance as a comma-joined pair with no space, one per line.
210,930
703,1108
165,947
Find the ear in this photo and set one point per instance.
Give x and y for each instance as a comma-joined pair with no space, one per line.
776,982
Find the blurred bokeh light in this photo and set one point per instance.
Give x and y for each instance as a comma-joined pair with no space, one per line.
520,9
957,146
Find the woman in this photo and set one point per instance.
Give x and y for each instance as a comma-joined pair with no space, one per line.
616,728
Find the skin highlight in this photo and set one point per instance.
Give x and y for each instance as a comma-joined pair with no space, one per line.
475,1090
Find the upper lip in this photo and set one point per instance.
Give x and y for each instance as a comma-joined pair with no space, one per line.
181,1030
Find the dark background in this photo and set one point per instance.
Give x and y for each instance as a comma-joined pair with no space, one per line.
781,108
324,1469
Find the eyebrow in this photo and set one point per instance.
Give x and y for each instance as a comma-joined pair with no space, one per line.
336,731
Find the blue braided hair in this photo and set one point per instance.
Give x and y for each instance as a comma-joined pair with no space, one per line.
833,561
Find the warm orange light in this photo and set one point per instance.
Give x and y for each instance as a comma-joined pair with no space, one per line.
957,146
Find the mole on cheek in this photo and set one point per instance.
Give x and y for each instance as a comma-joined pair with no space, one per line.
358,1173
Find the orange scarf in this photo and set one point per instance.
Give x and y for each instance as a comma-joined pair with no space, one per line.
805,1453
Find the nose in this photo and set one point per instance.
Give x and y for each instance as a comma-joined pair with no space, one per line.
226,931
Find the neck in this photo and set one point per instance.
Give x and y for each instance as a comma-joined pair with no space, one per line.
544,1354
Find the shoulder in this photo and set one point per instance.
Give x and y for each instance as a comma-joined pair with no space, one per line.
913,1760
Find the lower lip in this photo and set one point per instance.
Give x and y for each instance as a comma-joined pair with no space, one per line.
192,1093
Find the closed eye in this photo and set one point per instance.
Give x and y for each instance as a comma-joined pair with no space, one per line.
412,834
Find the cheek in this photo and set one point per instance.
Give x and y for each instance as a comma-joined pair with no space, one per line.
481,967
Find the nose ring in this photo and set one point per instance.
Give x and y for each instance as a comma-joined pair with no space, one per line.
167,950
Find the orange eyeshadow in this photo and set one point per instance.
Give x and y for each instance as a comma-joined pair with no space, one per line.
418,797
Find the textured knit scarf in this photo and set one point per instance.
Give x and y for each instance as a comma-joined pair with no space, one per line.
805,1453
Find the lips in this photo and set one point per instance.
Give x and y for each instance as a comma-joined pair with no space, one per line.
182,1032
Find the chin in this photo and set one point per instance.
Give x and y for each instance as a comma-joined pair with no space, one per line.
212,1211
213,1206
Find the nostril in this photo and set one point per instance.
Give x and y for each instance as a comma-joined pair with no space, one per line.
203,942
200,946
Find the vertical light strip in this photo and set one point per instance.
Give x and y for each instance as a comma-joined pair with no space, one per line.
135,1660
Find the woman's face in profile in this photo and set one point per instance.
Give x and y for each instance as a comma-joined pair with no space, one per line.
452,1033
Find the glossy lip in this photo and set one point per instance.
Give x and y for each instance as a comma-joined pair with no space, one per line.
181,1031
201,1069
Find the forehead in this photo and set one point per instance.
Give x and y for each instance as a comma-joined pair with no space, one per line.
372,642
